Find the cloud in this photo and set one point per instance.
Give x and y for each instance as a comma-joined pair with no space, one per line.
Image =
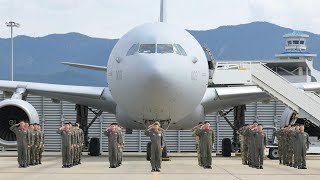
113,18
296,14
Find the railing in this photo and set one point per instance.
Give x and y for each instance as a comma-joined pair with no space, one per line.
237,65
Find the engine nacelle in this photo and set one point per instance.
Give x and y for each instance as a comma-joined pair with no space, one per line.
12,111
288,117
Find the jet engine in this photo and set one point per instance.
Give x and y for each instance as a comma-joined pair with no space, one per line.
12,111
289,117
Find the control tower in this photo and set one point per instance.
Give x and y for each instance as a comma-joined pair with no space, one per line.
295,63
295,47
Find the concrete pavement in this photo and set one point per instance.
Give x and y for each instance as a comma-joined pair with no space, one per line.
136,168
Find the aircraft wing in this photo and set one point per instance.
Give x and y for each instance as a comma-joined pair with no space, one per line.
96,97
220,98
216,99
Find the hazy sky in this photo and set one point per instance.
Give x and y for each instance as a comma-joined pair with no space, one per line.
112,18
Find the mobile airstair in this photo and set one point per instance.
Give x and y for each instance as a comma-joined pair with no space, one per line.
306,104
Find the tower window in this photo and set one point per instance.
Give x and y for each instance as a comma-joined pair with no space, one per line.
301,42
289,42
295,42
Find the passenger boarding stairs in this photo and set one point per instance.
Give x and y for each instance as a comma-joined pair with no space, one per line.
306,104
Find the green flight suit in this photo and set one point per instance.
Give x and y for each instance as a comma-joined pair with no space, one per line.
260,141
290,148
73,140
42,146
30,143
278,135
113,142
194,131
284,146
157,142
81,143
37,147
76,147
33,147
21,135
66,139
252,147
247,134
206,143
244,145
120,148
295,147
302,147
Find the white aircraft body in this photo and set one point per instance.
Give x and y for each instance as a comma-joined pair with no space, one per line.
155,72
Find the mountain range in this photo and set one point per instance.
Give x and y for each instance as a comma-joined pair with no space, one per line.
38,59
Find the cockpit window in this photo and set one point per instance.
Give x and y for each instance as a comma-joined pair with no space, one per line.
176,49
147,48
164,48
134,48
180,49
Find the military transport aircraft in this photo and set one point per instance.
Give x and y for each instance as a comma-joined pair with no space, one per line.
155,72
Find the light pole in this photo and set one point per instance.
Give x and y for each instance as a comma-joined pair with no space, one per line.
12,24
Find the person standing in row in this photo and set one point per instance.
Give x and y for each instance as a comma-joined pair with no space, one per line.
157,139
250,133
21,135
114,140
279,135
260,141
66,136
194,133
206,136
41,144
120,146
244,144
33,145
36,143
295,145
81,141
302,147
29,142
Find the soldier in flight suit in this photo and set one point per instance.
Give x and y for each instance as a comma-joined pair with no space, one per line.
120,146
244,144
113,144
33,145
290,145
260,141
29,141
302,147
66,136
295,145
37,143
81,141
194,131
252,147
21,134
157,144
41,144
206,136
278,134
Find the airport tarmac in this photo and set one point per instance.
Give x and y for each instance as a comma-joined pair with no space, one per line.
137,168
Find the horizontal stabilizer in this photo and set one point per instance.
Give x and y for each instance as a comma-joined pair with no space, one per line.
86,66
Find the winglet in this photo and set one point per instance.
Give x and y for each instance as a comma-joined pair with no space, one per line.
86,66
163,11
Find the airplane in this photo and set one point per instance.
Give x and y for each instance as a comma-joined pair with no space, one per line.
156,71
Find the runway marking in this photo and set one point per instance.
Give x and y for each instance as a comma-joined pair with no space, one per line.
155,175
